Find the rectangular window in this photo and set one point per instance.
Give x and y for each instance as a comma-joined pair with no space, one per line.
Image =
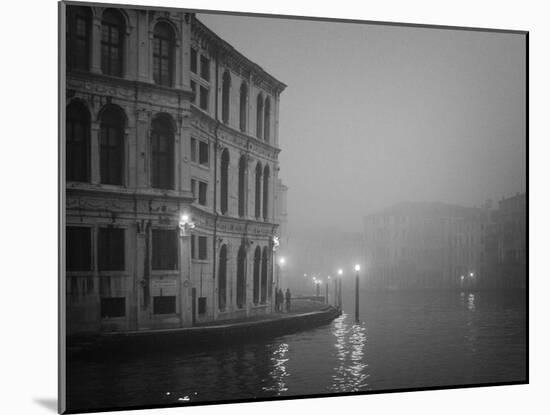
79,248
113,307
162,60
111,49
194,188
203,153
194,89
205,68
111,249
203,241
202,305
165,304
193,60
111,153
193,149
165,249
203,99
78,43
202,193
193,254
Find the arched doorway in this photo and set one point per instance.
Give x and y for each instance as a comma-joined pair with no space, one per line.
241,277
222,278
264,288
256,277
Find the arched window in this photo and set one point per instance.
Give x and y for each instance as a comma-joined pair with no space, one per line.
259,115
222,278
241,277
112,41
258,192
242,186
267,119
78,142
112,145
266,192
163,54
226,83
78,37
256,277
162,153
242,106
264,282
224,179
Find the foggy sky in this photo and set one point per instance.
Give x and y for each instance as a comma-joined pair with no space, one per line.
374,115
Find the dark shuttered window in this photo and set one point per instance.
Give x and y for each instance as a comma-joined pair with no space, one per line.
112,40
111,249
78,248
165,249
163,54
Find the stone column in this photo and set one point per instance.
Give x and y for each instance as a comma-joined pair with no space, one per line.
142,147
185,279
95,132
177,64
275,121
143,42
95,66
249,275
150,55
139,272
183,169
132,156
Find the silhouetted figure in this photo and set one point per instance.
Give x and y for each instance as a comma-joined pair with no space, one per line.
277,300
281,299
287,299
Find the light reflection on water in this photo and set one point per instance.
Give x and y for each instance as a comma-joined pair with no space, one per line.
402,341
350,373
278,372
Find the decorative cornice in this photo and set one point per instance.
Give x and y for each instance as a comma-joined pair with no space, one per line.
97,190
216,45
230,135
89,79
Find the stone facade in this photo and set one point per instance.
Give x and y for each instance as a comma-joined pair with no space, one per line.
425,246
157,126
505,246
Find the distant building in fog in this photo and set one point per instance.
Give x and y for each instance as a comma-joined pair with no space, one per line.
505,245
165,118
424,246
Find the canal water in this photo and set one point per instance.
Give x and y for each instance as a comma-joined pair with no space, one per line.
404,340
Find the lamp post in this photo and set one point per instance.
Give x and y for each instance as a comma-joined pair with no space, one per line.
339,282
282,262
326,290
317,283
185,226
357,269
275,243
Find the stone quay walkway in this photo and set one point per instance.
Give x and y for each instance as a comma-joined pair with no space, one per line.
304,314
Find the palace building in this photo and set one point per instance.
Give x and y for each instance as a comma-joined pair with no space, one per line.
425,246
172,201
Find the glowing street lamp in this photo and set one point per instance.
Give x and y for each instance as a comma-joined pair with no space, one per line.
185,224
339,285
